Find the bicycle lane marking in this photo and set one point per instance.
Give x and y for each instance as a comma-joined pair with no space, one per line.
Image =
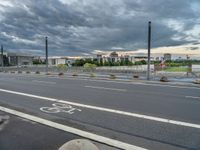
76,131
59,107
103,109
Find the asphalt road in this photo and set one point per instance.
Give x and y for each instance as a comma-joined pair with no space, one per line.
151,116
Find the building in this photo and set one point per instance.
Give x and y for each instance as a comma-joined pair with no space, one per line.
5,59
19,59
16,59
56,60
113,57
167,56
119,57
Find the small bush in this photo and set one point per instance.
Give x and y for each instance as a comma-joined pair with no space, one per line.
164,79
37,72
89,66
112,76
74,74
92,75
28,72
62,67
135,76
61,74
12,72
19,72
197,81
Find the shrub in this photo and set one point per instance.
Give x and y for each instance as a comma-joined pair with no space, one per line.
197,81
12,72
136,76
28,72
92,75
112,76
62,66
89,67
74,74
61,74
19,72
164,79
37,72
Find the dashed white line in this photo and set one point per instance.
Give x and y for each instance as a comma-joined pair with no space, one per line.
194,97
141,116
47,82
105,88
130,83
88,135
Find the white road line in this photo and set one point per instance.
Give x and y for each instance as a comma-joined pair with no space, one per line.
192,97
104,88
141,116
47,82
130,83
92,136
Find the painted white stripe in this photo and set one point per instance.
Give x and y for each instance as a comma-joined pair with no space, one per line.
141,116
130,82
104,88
69,129
47,82
192,97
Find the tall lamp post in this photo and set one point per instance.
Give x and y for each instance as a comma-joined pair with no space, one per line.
2,62
149,50
46,47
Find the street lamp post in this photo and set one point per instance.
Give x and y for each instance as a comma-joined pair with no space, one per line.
149,50
2,62
46,43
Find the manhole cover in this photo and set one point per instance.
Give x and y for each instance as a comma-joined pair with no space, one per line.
79,144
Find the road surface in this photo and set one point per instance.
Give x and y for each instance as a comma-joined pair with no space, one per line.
127,114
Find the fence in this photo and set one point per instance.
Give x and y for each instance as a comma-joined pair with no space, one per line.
140,70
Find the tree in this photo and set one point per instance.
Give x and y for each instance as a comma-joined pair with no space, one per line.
79,62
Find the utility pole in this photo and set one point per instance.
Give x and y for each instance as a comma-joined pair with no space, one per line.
2,62
149,50
46,43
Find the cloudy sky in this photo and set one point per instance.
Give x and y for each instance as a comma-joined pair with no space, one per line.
78,27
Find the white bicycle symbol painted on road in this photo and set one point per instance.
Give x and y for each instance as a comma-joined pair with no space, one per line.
59,107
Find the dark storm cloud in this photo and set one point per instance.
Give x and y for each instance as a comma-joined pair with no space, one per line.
75,27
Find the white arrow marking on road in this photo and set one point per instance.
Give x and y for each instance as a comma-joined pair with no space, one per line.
158,119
